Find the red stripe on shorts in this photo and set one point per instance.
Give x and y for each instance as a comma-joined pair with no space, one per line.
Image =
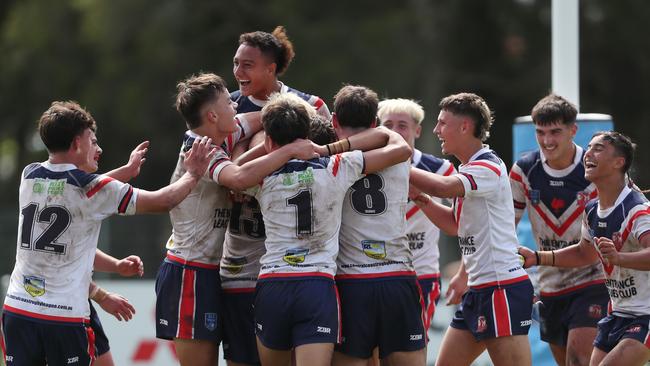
187,306
501,313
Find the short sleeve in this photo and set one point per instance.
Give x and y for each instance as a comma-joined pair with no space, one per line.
107,196
242,132
518,190
219,161
347,168
586,231
479,178
641,224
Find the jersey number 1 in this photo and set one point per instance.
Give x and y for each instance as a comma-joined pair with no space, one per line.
58,218
302,201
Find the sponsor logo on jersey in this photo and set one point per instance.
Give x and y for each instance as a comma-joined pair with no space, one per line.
295,256
287,179
34,286
595,311
534,196
481,324
374,249
557,204
602,224
233,265
56,187
556,183
39,185
210,321
306,177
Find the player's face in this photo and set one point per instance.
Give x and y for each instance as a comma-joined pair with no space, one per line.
448,130
223,110
556,142
403,124
89,151
601,160
254,72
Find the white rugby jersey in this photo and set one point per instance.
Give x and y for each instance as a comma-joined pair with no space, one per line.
486,222
244,243
243,247
199,222
301,204
61,210
625,223
421,233
555,200
373,228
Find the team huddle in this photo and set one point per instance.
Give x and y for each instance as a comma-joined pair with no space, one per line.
307,237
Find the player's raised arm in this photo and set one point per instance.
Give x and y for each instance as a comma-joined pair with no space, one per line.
196,162
436,184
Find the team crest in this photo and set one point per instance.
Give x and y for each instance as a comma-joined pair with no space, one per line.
210,321
233,265
374,249
595,311
34,286
582,198
481,324
295,256
534,196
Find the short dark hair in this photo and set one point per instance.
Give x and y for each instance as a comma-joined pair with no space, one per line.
194,92
622,144
61,123
472,106
286,117
552,109
321,130
356,106
276,46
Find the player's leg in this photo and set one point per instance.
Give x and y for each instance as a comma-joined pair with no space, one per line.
105,359
458,348
629,352
314,354
580,344
197,352
273,357
559,353
509,351
341,359
418,357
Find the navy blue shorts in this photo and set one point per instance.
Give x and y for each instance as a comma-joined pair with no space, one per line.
290,312
188,302
613,329
239,344
430,287
577,309
496,311
381,312
30,342
101,340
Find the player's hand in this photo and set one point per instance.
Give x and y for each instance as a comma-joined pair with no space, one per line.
136,159
303,149
130,266
607,250
414,192
321,150
198,157
118,306
528,255
456,289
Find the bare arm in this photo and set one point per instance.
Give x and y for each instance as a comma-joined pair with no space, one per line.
196,162
573,256
439,214
132,168
436,184
239,178
457,286
635,260
129,266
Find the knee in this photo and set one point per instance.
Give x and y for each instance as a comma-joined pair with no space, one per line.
576,359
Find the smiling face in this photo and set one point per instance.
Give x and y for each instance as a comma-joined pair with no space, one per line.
556,143
254,72
602,160
222,111
449,130
403,124
88,151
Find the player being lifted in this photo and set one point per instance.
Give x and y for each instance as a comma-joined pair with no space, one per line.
550,182
495,313
62,205
296,302
258,62
188,289
615,228
405,117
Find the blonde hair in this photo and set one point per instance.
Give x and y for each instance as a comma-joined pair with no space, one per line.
400,105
